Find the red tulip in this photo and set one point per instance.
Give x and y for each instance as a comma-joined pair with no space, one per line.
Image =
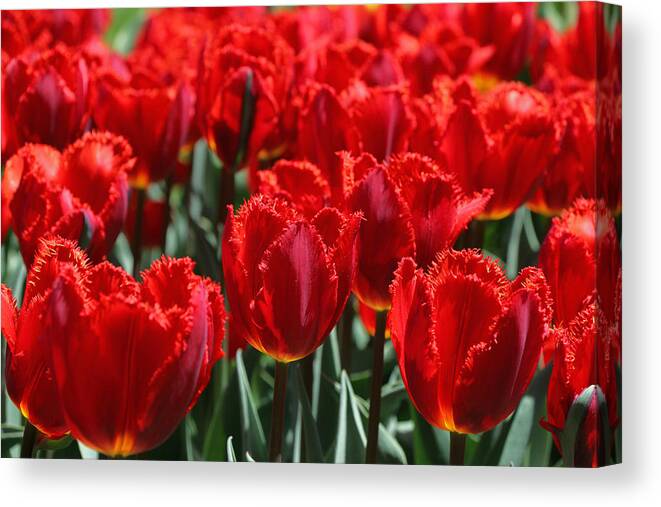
299,183
579,256
29,373
502,141
171,41
80,192
411,208
508,27
36,30
147,350
383,119
242,62
467,340
441,49
288,278
46,99
609,143
325,128
585,51
583,357
571,172
154,117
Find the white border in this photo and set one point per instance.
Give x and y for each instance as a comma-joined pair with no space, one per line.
637,481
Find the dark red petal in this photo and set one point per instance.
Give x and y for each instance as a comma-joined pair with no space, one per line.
495,373
324,129
412,322
299,182
385,236
384,122
299,295
465,145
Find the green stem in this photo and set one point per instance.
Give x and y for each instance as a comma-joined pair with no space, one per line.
347,336
457,448
136,243
29,440
278,412
377,380
227,191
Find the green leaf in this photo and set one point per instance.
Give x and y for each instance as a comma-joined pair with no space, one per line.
519,433
313,451
207,258
350,441
541,441
231,455
388,448
124,28
431,446
253,440
512,266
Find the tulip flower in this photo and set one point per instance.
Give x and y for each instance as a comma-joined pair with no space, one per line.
571,171
45,99
299,183
147,350
325,128
242,62
441,49
29,374
508,27
79,194
153,116
467,340
288,279
412,208
24,31
502,141
586,50
579,256
583,358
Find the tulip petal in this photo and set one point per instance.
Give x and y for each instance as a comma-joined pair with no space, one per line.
299,294
411,325
384,210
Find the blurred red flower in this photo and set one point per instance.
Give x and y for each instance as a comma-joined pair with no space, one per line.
581,255
583,357
325,128
441,49
508,27
571,171
503,140
29,374
148,351
467,339
242,63
411,208
287,277
153,116
35,30
45,99
298,182
79,194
